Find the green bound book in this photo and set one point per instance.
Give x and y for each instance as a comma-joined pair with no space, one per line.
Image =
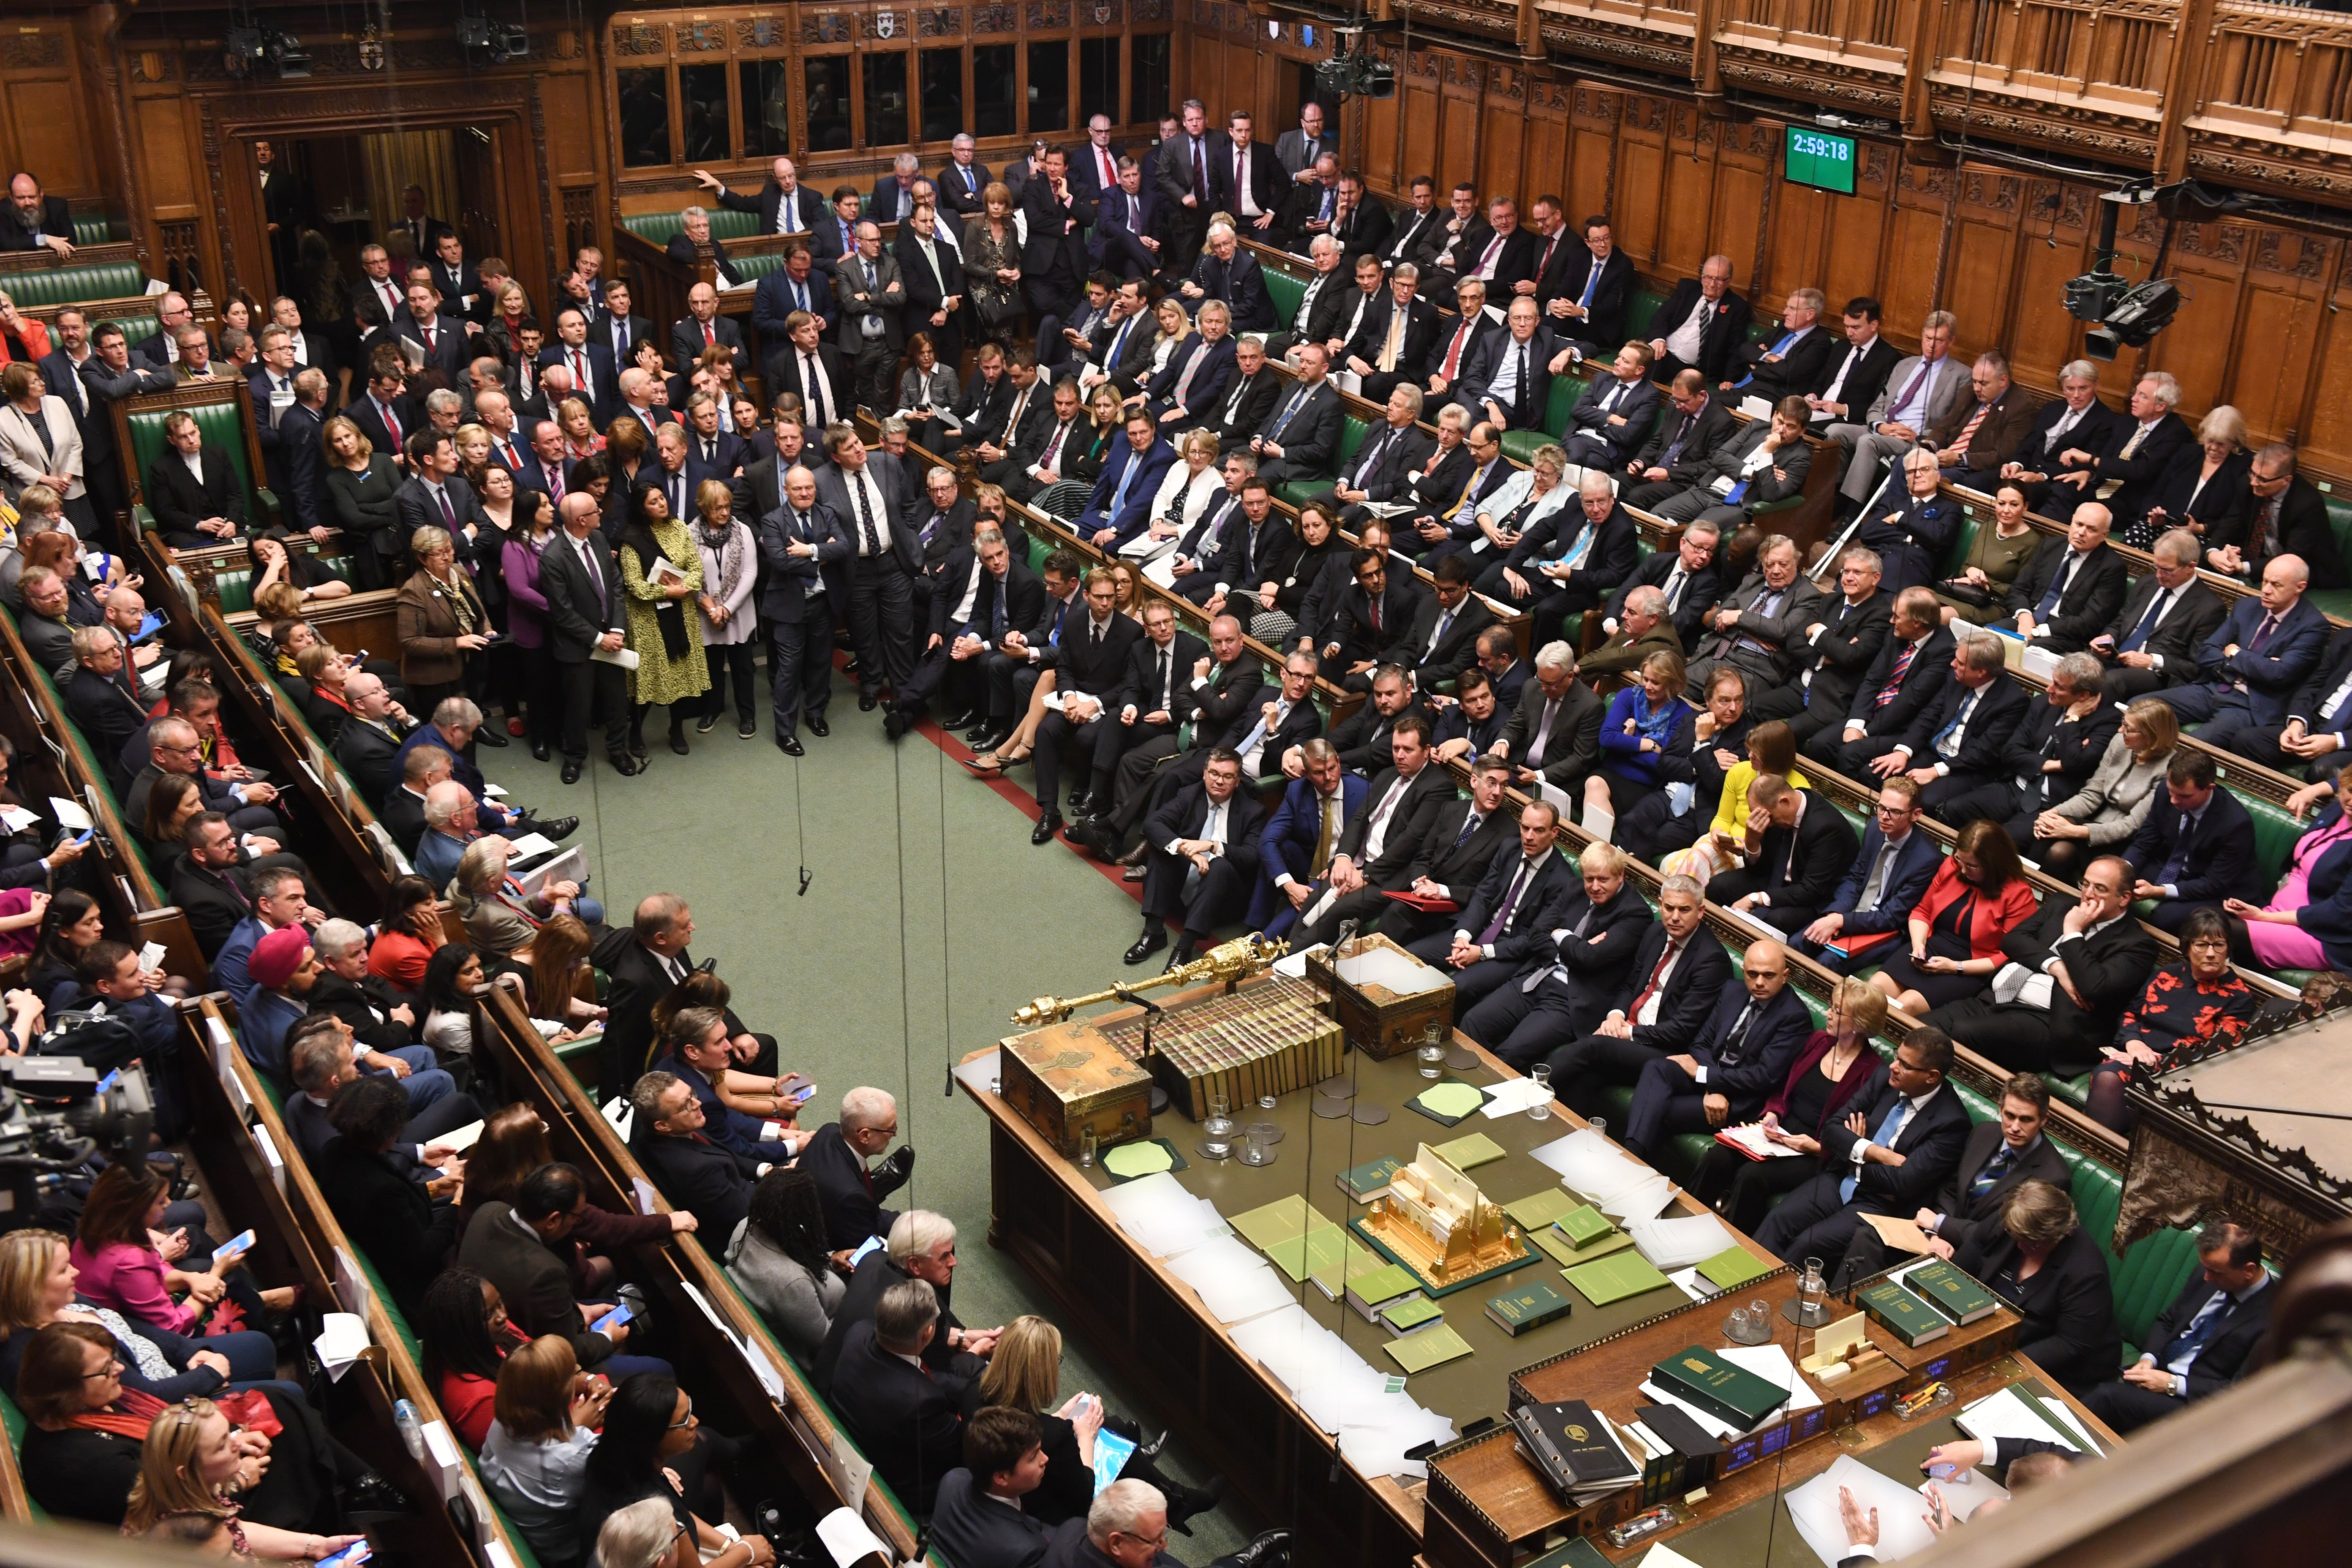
1902,1314
1583,1225
1432,1347
1537,1210
1369,1180
1368,1292
1414,1312
1724,1390
1556,1247
1616,1277
1732,1267
1526,1306
1950,1292
1468,1152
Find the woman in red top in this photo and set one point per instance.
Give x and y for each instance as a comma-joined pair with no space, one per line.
21,337
1836,1069
467,1335
1980,895
407,935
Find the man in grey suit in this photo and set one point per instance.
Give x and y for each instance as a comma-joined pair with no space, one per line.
803,551
1921,392
586,616
1296,151
870,293
1301,439
878,574
1756,628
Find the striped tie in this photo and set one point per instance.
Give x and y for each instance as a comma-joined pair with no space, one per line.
1894,682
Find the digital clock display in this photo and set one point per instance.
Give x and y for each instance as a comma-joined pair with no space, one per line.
1819,159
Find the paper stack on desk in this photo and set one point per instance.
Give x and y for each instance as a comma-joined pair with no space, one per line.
1769,1362
1610,1179
2014,1413
1814,1507
1673,1243
1366,1410
1513,1096
1234,1283
1163,1218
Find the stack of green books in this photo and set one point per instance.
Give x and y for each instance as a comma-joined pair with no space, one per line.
1410,1315
1537,1210
1615,1277
1903,1314
1579,1235
1369,1291
1949,1291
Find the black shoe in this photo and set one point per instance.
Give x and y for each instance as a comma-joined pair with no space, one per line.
372,1495
894,724
629,766
637,748
1190,1502
541,751
1079,801
791,746
677,741
1048,826
1150,1451
486,736
980,736
1271,1550
1183,954
573,767
866,701
1149,942
818,727
748,730
1134,856
956,721
707,722
560,828
1087,833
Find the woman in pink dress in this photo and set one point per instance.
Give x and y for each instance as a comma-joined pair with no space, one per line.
2295,929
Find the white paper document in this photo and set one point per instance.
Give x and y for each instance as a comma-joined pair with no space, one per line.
1814,1507
1671,1244
342,1343
1513,1096
69,814
848,1539
1750,1137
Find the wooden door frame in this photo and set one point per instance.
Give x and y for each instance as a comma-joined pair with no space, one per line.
509,110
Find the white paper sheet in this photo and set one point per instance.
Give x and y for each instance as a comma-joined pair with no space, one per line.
1591,1166
849,1469
983,1074
1772,1363
1378,1448
1223,1255
440,1449
346,1337
1400,973
1235,1298
459,1139
1667,1557
1512,1096
351,1284
2009,1414
69,814
1814,1508
529,845
1752,1138
1671,1244
1644,1199
1967,1492
646,1195
848,1539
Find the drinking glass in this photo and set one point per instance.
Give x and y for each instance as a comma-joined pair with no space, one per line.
1599,1125
1431,1060
1540,1074
1086,1146
1257,1149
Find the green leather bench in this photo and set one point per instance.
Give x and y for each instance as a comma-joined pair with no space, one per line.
1353,429
91,768
73,285
756,265
1639,313
1520,445
2336,602
222,424
99,228
656,228
1286,291
13,1419
234,584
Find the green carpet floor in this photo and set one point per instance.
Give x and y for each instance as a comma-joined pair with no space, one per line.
902,957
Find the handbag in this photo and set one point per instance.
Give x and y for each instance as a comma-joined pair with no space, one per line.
1966,591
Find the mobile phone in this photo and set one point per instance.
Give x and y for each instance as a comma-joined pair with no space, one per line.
351,1556
86,835
234,1247
618,1315
871,1243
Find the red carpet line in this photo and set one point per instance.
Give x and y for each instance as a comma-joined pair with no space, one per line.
1025,800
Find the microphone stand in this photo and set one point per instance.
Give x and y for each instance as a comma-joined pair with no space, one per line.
1151,1011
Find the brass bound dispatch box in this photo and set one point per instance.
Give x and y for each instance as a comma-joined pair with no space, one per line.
1067,1076
1384,997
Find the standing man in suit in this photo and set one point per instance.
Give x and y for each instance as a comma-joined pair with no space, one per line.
701,327
1204,857
879,570
455,279
2071,587
2071,974
870,294
2197,847
1254,183
91,371
797,285
1090,659
286,210
1054,257
1999,1156
1589,310
1740,1059
1921,393
1702,321
1893,870
587,615
1191,181
1297,150
1794,865
1505,925
815,371
2164,620
1792,362
2204,1341
595,379
270,381
2263,652
617,328
442,338
783,205
1094,167
1888,1157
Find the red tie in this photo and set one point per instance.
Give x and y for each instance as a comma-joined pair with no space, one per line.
389,421
1644,999
709,337
428,337
579,372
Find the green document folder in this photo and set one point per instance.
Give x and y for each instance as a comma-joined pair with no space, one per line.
1615,1277
1430,1347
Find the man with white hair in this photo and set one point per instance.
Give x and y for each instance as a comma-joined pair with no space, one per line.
456,724
693,239
922,1246
451,824
1127,1527
2124,471
848,1186
894,193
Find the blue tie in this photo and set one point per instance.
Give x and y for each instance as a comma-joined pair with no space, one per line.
1289,410
2140,633
2191,1341
1959,716
2057,586
1779,347
1884,1137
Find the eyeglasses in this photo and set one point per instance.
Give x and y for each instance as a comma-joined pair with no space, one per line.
112,1367
682,1425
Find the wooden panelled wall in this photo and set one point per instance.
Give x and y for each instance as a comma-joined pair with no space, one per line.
2258,327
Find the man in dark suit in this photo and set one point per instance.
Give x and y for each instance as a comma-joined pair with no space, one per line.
1351,635
1126,238
587,615
932,268
32,221
1249,397
1149,701
192,488
1999,1155
1492,248
849,1187
106,711
1762,462
1916,1127
1507,381
455,279
2074,420
1854,372
1593,291
2254,664
783,205
878,574
1740,1059
797,285
1970,441
1700,324
978,1519
1323,304
1441,639
1887,877
802,551
1504,926
1650,1005
1615,416
1571,561
209,884
1220,689
1384,466
1913,666
1192,184
1790,362
301,431
962,179
1462,840
436,495
1693,423
1959,741
92,368
1394,337
922,1246
693,242
1576,960
2124,472
1304,830
441,339
2201,1343
514,1245
692,1168
2038,1019
1413,224
2197,847
2050,756
1807,844
1054,257
1361,224
2164,620
1300,439
2072,586
1554,735
701,327
907,1417
1225,271
1375,854
1252,181
815,371
1203,861
2288,519
1832,650
1090,659
1689,577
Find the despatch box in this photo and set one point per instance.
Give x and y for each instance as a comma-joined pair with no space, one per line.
1384,998
1065,1077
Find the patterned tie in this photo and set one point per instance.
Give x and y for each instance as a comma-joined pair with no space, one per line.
1324,833
1471,822
1393,346
1968,430
2146,628
1994,1169
1887,693
2132,445
1674,945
